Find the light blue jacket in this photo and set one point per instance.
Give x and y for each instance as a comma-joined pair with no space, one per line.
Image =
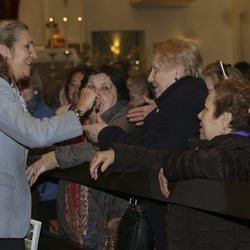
19,130
38,108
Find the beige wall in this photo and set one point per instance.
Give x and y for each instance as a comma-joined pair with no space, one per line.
201,21
240,21
213,24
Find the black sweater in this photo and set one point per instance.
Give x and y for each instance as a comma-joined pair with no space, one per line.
171,124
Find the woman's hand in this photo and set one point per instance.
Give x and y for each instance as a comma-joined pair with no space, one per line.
163,184
102,160
47,162
86,100
138,114
93,130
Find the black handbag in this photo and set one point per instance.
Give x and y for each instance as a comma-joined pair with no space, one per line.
134,232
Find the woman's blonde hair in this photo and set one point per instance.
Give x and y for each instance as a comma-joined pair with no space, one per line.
8,36
182,52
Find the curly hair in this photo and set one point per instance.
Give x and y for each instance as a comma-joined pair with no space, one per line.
8,36
233,95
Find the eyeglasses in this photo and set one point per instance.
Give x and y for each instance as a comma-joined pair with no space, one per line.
223,68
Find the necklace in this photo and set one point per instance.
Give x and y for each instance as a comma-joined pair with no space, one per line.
20,98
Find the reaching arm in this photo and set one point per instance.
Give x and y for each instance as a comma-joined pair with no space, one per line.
214,164
126,159
138,114
45,163
75,154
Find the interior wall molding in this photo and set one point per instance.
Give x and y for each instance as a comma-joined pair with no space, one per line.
159,3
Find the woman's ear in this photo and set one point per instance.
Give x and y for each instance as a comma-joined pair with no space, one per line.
5,51
225,120
180,71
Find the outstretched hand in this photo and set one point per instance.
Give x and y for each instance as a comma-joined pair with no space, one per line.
86,100
45,163
138,114
163,184
102,160
93,130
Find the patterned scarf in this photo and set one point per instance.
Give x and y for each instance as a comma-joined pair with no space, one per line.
76,211
76,207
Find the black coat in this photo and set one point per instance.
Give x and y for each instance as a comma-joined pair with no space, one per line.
225,157
171,124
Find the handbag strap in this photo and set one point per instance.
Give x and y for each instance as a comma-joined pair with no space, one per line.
136,204
133,201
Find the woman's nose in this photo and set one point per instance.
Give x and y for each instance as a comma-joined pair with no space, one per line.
33,54
97,91
150,77
199,115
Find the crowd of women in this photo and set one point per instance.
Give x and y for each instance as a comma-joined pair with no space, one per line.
176,103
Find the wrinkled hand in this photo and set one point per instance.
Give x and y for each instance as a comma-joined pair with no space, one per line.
93,130
86,100
138,114
163,184
102,160
45,163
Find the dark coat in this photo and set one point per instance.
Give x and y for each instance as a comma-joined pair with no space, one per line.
171,124
225,157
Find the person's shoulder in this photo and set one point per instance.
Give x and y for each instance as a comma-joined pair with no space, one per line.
191,82
233,140
4,82
193,89
6,88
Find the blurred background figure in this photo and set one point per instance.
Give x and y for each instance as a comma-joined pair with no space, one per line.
35,103
243,67
139,87
212,74
69,94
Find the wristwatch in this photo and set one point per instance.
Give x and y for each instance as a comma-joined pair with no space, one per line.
78,112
